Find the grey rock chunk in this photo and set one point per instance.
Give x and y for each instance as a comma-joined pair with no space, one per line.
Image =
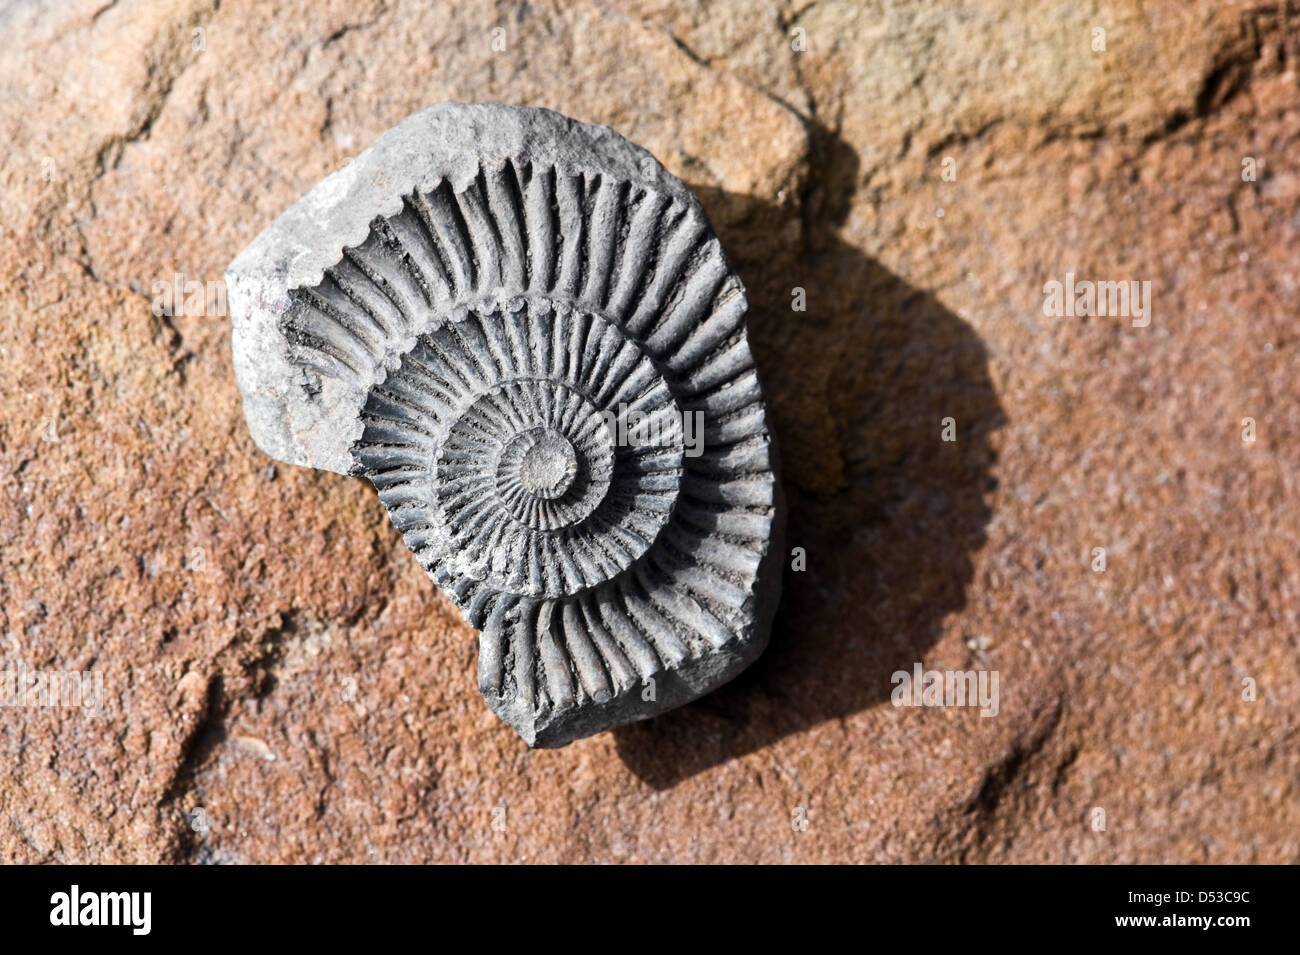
524,332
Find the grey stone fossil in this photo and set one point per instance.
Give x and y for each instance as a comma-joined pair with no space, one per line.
468,314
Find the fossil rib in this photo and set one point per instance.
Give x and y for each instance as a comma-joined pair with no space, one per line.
524,332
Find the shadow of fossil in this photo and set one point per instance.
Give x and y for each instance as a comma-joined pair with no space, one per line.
886,513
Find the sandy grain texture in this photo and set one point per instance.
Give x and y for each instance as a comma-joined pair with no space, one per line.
271,652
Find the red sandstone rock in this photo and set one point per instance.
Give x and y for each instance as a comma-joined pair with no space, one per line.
314,714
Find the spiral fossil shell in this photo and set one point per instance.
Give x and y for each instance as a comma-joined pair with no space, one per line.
524,332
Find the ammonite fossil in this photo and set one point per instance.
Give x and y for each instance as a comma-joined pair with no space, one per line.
524,332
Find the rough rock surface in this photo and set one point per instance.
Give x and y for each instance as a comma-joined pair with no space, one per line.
272,655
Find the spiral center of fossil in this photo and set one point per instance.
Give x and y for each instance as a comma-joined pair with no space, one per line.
549,465
536,491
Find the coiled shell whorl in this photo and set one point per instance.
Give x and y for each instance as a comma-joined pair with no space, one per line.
524,332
